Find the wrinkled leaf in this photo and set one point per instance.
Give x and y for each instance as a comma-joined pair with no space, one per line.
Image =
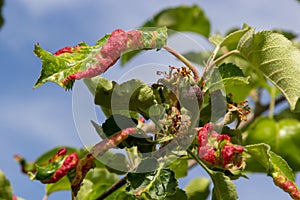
152,185
198,189
44,158
179,194
84,61
224,188
181,18
5,187
60,165
277,58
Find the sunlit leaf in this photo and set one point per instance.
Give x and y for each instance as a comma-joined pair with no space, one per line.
277,58
232,39
83,61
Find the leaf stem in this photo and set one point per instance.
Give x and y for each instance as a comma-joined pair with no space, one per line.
185,61
226,55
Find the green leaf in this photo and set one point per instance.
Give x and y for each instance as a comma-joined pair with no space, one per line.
279,135
133,95
260,152
62,184
181,18
224,189
275,166
44,158
84,61
232,39
152,185
198,189
277,58
232,79
95,183
179,194
180,167
6,191
115,123
280,165
58,166
119,164
270,161
216,39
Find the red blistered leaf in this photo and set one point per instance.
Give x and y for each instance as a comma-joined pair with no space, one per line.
286,185
69,163
57,167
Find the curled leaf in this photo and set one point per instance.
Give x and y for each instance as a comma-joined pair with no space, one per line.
58,166
82,61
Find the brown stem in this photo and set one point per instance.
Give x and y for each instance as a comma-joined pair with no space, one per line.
185,61
86,163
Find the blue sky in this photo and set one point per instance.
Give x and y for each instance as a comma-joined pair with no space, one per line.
34,121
